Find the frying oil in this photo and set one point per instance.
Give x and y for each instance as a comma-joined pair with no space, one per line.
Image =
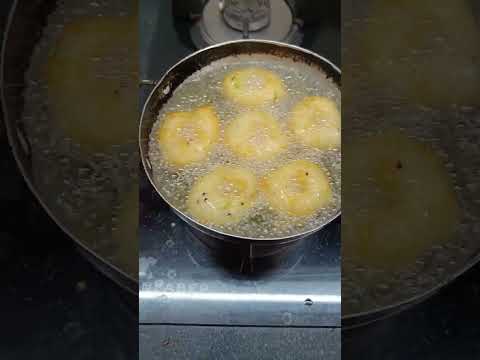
206,87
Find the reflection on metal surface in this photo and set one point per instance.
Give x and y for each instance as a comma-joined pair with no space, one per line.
246,297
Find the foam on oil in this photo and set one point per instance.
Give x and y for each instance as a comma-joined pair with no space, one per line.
205,87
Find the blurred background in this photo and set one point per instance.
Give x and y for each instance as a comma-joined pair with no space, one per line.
410,134
56,304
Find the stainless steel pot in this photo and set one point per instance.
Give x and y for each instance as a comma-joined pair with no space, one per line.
186,67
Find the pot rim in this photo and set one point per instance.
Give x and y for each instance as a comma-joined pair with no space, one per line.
147,167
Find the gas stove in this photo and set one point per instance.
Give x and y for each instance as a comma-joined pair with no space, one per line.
224,20
171,30
183,280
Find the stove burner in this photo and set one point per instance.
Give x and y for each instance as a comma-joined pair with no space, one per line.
246,15
227,20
